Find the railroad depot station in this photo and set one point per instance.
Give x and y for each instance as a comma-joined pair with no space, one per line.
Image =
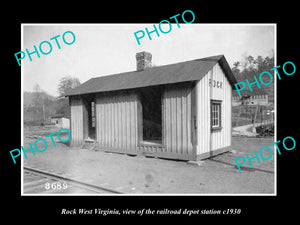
179,111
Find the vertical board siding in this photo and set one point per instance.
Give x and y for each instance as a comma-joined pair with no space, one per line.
222,138
177,120
116,121
211,140
76,107
203,114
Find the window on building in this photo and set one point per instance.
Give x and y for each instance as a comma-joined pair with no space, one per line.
216,114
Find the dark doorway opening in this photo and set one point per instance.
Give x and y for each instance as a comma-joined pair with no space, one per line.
90,115
151,115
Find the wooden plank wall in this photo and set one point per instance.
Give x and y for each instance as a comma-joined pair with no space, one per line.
76,123
222,138
117,123
202,90
177,120
116,120
211,140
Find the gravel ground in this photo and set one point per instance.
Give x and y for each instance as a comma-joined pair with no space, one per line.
140,175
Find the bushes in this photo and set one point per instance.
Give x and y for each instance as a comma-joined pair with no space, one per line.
265,130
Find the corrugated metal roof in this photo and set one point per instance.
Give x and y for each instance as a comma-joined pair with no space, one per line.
167,74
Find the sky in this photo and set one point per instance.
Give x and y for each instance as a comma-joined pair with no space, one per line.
104,49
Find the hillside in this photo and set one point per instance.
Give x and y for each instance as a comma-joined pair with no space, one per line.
28,97
264,89
249,67
38,107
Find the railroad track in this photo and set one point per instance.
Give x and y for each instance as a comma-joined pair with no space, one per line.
40,182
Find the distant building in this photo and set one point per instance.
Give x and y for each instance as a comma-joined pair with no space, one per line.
60,121
256,97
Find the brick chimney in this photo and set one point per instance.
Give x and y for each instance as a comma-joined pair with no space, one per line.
143,60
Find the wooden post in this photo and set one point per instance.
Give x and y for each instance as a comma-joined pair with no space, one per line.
238,117
254,121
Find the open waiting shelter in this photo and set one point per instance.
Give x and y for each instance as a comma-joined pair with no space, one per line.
179,111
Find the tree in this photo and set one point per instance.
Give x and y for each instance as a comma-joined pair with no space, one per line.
67,83
250,66
37,97
251,62
235,68
38,101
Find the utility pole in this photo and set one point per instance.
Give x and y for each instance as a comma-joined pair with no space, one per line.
254,121
43,109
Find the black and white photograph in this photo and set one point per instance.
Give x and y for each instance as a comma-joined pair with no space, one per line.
161,109
149,111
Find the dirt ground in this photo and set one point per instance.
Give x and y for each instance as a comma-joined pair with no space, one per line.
143,175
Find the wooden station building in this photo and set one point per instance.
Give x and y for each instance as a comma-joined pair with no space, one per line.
178,111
